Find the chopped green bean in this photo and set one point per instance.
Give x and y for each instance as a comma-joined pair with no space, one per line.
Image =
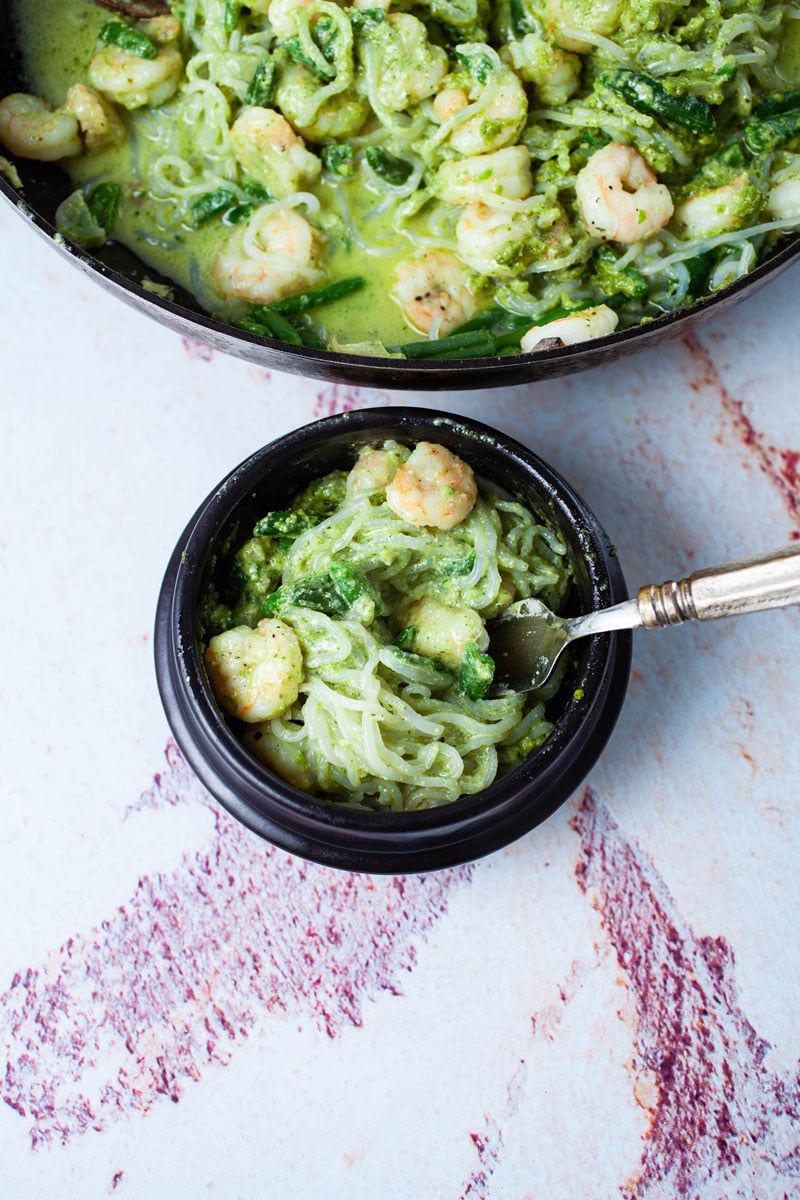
394,170
132,41
261,88
103,202
766,135
230,17
318,67
211,204
324,295
647,95
476,673
339,159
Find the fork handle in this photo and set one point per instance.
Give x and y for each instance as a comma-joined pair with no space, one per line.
748,585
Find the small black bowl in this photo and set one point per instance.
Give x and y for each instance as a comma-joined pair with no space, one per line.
339,836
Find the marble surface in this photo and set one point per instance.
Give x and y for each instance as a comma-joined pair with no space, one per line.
605,1009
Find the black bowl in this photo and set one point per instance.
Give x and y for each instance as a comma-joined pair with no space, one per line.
586,708
121,272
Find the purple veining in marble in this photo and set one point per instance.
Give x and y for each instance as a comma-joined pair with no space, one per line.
723,1124
167,985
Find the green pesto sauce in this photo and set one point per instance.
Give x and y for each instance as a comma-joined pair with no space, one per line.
58,39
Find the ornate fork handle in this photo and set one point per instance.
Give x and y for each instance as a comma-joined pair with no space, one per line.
749,585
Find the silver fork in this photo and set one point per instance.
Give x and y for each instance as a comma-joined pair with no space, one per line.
526,640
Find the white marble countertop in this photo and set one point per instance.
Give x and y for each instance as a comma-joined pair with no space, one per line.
607,1008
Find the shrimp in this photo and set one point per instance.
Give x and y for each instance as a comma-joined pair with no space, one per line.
255,674
494,241
434,291
724,208
784,196
374,469
99,121
286,759
340,115
268,149
566,20
581,326
619,197
433,488
555,73
483,106
448,102
275,255
444,632
282,15
505,172
135,82
407,67
30,128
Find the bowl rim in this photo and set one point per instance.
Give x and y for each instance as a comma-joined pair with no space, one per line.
343,836
553,362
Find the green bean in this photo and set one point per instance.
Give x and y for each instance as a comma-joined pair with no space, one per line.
237,214
116,33
318,67
484,320
362,18
782,102
457,345
324,295
256,191
477,672
339,159
230,17
103,202
261,88
405,638
274,325
647,95
210,204
388,166
764,136
520,21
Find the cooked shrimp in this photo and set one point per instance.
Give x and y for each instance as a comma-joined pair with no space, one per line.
135,82
339,116
555,73
99,121
407,67
444,632
275,255
269,150
581,326
494,112
449,102
619,197
161,30
281,14
434,292
30,128
494,241
255,674
286,759
784,196
724,208
434,488
505,172
566,20
374,469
